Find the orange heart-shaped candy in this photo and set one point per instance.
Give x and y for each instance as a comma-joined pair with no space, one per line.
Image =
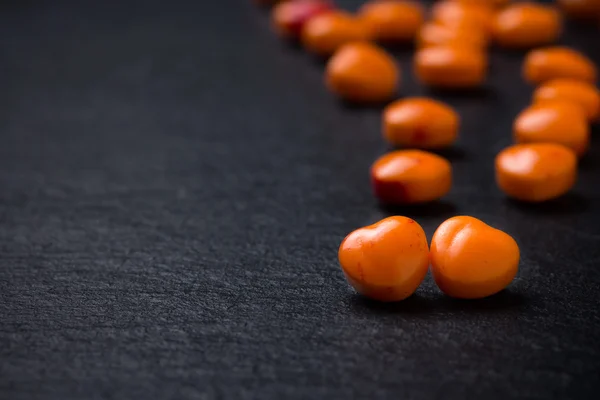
471,260
386,261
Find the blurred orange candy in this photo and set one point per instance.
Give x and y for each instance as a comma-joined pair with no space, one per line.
410,177
582,93
456,14
289,17
362,72
536,172
392,21
548,63
526,25
386,261
327,32
561,122
581,9
472,260
436,34
485,3
450,67
420,122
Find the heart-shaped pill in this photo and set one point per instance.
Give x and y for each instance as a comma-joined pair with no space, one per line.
386,261
471,260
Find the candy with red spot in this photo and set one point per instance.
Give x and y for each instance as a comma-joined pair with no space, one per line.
386,261
410,176
420,122
289,17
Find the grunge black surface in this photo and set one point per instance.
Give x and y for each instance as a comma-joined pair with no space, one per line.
174,185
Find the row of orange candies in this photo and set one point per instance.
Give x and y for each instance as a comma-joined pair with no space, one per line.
451,54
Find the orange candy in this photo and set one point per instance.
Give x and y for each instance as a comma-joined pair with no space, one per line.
561,122
536,172
582,9
410,176
584,94
392,21
420,122
525,25
327,32
484,3
558,62
289,17
450,67
456,14
386,261
363,73
435,34
472,260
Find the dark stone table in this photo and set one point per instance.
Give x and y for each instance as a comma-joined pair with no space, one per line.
174,185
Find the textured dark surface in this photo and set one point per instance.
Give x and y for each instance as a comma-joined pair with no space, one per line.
174,184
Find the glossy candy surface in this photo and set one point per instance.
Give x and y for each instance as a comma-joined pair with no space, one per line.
536,172
363,73
436,34
543,64
327,32
524,25
450,67
472,260
420,122
392,21
561,122
386,261
410,177
579,92
456,14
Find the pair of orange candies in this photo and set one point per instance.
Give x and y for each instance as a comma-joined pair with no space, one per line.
387,261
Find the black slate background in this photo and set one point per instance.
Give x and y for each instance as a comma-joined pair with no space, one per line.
174,184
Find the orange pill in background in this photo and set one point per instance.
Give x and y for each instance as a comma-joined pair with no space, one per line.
386,261
536,172
327,32
582,93
420,122
363,73
485,3
547,63
410,177
456,14
561,122
289,17
392,21
450,67
433,34
525,25
580,9
472,260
